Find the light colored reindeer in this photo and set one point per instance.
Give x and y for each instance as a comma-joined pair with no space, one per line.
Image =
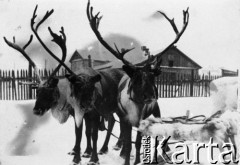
137,91
224,129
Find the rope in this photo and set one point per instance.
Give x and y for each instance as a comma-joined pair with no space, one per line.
198,119
119,123
118,137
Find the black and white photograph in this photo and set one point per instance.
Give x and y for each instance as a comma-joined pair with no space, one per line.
123,82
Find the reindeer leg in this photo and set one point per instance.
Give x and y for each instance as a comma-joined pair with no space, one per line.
234,140
87,153
119,143
221,149
104,148
127,142
122,130
236,143
76,149
78,117
138,147
78,137
156,113
95,125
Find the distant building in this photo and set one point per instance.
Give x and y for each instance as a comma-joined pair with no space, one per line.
79,61
222,72
226,73
176,62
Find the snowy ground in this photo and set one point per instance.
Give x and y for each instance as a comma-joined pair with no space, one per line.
26,139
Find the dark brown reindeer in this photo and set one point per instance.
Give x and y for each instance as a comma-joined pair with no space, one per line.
137,90
57,94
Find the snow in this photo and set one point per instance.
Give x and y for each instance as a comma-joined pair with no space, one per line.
29,139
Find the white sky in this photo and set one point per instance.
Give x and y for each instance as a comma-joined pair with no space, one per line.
211,39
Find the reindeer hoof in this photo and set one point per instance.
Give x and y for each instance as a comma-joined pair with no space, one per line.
103,151
116,148
93,163
86,155
72,153
73,163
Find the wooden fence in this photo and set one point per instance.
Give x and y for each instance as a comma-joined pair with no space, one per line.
12,85
184,85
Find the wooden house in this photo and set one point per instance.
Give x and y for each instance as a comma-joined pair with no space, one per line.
175,62
79,61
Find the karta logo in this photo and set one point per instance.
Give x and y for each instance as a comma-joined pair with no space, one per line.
158,146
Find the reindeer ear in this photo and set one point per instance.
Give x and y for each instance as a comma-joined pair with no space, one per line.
52,83
95,79
129,70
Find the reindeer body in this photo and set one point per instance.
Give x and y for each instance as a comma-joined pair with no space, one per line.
104,103
63,108
129,108
89,91
97,91
65,103
107,102
138,90
222,130
133,110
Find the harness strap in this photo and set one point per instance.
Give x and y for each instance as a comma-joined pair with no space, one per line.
192,120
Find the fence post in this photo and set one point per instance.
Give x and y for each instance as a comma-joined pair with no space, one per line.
192,82
30,79
1,90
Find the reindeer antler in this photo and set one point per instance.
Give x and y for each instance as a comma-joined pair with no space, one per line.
60,40
23,52
177,32
94,23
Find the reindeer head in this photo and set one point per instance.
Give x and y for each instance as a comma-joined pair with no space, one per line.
142,85
47,91
83,89
82,86
47,95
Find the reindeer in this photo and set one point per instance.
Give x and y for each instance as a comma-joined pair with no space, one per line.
224,95
58,95
222,127
137,93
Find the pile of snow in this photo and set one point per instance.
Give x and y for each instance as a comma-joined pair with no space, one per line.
173,107
223,92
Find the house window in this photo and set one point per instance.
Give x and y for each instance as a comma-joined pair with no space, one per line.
170,63
170,60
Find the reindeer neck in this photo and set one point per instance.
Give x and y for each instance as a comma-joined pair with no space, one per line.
129,107
125,85
62,109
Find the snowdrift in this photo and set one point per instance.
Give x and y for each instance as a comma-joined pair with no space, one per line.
26,139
